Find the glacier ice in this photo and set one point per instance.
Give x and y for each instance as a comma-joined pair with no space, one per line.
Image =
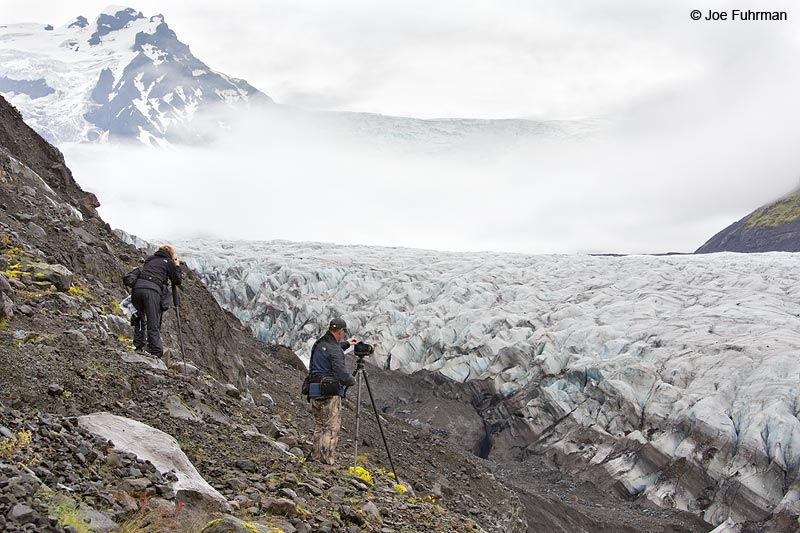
678,376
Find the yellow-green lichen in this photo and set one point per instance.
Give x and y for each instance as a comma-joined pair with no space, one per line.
205,527
10,447
781,212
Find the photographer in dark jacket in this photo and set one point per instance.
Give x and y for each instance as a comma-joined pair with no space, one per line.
327,360
159,268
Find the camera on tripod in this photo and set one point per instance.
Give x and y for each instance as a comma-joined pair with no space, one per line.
362,349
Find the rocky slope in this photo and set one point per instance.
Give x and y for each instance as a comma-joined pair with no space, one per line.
233,410
774,227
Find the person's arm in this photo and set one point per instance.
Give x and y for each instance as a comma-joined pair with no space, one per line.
174,272
339,369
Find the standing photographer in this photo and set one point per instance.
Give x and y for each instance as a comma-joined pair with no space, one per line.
327,361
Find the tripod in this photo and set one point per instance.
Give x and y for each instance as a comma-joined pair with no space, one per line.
361,375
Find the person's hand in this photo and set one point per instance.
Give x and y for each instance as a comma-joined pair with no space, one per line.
351,341
177,262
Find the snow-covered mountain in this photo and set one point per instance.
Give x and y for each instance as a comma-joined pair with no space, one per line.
122,75
127,76
677,376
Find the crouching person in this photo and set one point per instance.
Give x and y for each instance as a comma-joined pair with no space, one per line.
328,377
158,269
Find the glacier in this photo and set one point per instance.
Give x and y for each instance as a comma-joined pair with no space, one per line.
674,377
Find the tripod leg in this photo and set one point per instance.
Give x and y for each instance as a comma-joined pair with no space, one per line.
358,409
380,427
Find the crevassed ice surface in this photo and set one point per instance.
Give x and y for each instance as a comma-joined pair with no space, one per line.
696,356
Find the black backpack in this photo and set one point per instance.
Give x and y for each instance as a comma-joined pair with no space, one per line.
129,279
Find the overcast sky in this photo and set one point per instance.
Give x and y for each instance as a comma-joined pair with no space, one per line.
704,119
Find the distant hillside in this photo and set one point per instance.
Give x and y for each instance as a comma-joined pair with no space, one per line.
774,227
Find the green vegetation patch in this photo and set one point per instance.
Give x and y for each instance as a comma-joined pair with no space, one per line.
781,212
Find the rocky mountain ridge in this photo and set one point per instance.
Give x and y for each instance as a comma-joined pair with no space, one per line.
774,227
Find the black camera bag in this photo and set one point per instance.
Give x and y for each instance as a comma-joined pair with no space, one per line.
329,386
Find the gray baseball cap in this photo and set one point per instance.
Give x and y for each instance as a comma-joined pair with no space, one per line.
337,323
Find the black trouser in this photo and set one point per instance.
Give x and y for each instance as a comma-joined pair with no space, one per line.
148,309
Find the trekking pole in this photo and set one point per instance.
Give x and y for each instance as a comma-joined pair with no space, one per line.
176,301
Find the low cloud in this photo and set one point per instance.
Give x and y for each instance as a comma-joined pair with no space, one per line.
701,122
664,177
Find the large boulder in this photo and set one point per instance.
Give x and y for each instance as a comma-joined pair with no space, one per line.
58,275
163,451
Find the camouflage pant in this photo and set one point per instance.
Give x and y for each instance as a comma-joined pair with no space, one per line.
328,416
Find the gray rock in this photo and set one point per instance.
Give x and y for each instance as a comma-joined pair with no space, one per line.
5,432
25,310
349,514
178,409
21,514
265,400
337,494
59,275
246,465
137,485
55,389
117,325
133,357
66,302
166,492
98,522
279,507
297,452
36,231
84,236
76,338
114,460
162,451
187,369
289,493
371,512
24,336
6,306
232,391
5,286
316,491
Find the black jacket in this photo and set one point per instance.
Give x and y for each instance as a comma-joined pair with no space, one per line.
157,269
327,359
